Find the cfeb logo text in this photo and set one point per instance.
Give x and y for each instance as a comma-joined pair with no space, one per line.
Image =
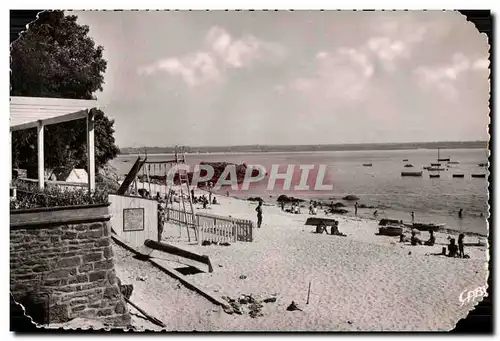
471,295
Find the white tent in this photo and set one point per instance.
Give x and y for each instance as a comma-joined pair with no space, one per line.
31,112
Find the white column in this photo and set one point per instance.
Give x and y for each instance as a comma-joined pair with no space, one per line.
10,156
91,150
41,167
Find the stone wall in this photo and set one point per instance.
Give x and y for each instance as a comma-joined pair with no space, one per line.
73,264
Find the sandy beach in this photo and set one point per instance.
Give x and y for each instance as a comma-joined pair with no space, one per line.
359,282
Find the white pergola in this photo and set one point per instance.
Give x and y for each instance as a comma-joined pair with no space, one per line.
31,112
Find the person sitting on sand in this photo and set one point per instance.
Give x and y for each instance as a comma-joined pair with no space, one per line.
461,252
214,201
311,209
432,239
297,209
414,240
403,238
335,230
452,248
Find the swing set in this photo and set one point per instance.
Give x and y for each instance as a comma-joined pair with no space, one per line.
147,177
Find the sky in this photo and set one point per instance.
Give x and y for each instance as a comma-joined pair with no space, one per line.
207,78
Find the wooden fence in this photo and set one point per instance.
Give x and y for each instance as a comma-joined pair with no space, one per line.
222,233
242,228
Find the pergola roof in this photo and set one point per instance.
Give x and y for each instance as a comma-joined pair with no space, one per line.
31,112
26,112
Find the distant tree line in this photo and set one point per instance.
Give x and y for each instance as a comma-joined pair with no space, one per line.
300,148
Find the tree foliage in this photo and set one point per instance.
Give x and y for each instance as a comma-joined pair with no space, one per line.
55,57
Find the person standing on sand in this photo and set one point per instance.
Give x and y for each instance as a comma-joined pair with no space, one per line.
356,208
192,194
259,214
412,216
460,213
461,252
161,220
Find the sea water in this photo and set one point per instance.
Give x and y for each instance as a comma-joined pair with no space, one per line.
435,200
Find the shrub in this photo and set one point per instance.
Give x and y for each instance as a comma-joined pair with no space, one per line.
30,196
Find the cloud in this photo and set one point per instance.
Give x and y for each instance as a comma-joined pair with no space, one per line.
220,52
443,77
343,74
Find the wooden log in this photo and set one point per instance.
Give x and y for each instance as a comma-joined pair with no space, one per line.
149,317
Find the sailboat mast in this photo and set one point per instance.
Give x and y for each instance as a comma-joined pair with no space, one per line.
438,155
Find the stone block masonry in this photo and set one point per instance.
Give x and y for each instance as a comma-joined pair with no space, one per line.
73,264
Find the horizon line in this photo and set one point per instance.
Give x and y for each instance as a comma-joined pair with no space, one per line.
306,145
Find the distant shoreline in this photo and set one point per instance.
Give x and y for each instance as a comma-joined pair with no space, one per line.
308,148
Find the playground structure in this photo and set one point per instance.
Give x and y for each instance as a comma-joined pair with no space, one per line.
154,182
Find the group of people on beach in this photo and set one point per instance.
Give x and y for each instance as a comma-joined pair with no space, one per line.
454,250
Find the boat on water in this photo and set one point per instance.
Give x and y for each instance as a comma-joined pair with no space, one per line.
435,164
434,175
482,164
405,160
367,164
444,159
436,169
478,175
390,230
411,173
458,175
408,166
453,162
426,167
425,226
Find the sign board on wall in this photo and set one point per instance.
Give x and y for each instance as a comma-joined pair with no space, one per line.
133,219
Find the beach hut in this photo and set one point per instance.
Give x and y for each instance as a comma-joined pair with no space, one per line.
38,112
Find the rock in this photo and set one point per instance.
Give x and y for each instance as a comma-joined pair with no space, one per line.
243,277
236,308
225,244
228,310
141,278
220,265
126,290
350,197
409,253
244,299
255,306
255,313
269,300
293,307
205,243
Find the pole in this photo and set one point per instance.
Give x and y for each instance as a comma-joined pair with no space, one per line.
308,292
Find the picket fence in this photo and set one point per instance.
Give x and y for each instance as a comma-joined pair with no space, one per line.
222,233
213,224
